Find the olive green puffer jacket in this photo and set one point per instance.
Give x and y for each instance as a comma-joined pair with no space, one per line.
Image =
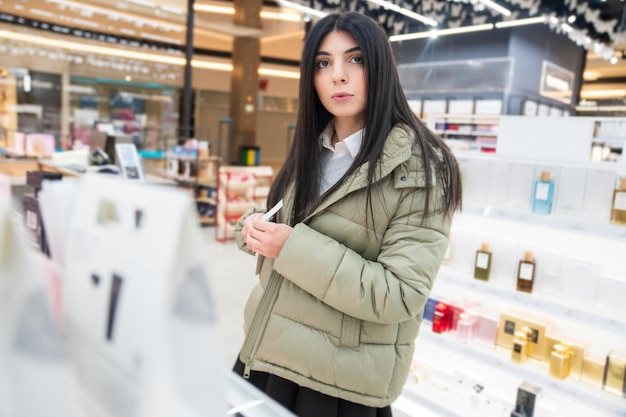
339,309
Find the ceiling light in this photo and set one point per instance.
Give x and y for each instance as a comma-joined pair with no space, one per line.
83,47
571,19
211,8
604,94
405,12
279,73
495,6
160,38
143,3
85,22
441,32
114,14
134,54
591,75
288,17
521,22
174,10
301,8
41,13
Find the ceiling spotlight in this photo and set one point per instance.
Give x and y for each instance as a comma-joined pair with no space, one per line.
571,19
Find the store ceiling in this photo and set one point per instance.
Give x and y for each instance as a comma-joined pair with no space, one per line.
161,24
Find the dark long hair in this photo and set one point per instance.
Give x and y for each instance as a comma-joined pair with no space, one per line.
386,107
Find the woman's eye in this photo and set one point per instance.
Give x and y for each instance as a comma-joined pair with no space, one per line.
357,59
322,64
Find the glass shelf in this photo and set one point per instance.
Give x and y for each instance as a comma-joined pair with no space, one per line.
554,221
536,302
575,392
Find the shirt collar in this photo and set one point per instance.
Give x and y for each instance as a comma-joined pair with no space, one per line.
352,143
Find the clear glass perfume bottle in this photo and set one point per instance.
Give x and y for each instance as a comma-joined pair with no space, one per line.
482,263
466,327
618,206
543,194
526,273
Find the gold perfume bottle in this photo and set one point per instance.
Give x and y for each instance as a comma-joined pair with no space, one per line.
614,380
519,351
618,206
482,263
526,273
593,371
532,337
561,361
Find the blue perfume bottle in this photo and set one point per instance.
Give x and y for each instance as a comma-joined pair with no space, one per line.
543,194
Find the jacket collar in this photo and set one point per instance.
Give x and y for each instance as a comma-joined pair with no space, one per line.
397,150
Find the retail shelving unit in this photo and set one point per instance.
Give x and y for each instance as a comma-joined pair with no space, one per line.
609,139
239,188
196,173
578,294
465,131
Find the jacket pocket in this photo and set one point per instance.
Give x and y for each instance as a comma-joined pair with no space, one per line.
350,331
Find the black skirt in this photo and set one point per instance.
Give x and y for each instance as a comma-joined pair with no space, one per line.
305,402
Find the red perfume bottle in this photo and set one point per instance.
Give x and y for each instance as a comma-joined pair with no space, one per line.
442,318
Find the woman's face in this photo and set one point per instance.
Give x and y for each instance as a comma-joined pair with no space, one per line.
340,77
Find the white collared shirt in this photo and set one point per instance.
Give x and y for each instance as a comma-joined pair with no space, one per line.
336,160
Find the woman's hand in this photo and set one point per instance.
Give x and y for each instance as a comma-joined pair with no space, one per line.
263,237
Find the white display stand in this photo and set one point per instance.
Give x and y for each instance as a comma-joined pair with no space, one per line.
35,377
137,308
566,139
580,270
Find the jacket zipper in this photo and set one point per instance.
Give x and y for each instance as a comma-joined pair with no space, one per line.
259,323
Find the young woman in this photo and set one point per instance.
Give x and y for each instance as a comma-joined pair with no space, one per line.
347,264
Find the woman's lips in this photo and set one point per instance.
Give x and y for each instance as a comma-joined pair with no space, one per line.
339,97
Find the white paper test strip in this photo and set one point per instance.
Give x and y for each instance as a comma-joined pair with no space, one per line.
267,216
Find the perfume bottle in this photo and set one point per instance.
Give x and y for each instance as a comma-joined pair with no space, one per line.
482,264
561,361
466,327
618,206
429,309
614,379
543,194
526,273
519,351
442,317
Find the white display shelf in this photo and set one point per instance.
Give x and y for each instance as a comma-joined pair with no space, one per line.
555,306
575,395
554,221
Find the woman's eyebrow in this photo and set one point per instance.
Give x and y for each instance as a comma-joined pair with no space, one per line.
356,48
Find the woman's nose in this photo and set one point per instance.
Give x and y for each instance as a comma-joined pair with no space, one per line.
339,75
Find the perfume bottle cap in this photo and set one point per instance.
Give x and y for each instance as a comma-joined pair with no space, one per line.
545,175
528,256
484,247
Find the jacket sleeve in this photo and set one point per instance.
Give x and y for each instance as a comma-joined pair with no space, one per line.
237,230
391,289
